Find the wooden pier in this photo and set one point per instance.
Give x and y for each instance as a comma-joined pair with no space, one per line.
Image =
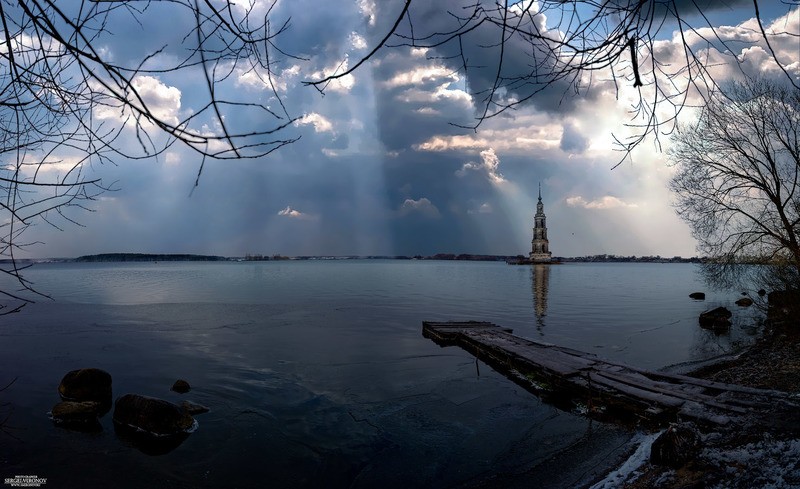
576,380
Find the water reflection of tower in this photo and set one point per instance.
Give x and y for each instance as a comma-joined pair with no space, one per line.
540,280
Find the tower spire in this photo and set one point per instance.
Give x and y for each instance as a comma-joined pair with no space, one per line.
540,246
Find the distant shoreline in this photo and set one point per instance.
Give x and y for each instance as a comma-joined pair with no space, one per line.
154,257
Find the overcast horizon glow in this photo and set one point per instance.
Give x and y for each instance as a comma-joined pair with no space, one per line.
380,170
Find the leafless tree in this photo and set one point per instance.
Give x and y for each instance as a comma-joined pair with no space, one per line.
737,183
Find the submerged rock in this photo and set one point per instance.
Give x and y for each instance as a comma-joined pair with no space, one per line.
192,408
147,443
181,386
69,410
679,444
744,302
698,295
717,319
762,292
82,416
156,417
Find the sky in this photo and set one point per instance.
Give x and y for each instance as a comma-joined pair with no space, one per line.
381,167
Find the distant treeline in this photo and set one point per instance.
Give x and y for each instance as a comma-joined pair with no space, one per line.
108,257
150,257
465,257
594,258
639,259
438,256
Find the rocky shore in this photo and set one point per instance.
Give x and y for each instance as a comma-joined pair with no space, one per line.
741,457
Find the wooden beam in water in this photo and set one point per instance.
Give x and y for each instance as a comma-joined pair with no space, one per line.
607,390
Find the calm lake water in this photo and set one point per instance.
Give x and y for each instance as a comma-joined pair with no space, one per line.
317,374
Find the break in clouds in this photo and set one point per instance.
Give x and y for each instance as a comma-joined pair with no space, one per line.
380,167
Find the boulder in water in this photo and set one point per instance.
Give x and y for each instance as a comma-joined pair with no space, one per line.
717,319
744,302
87,385
181,386
156,417
698,295
81,416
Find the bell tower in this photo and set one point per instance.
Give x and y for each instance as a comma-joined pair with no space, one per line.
540,246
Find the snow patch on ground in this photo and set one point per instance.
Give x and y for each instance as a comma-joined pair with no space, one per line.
767,463
628,468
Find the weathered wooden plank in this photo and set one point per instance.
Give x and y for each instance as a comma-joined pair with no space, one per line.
710,384
646,395
511,354
576,375
672,390
534,354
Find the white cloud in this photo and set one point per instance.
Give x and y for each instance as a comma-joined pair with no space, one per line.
421,74
295,214
320,123
442,93
418,83
50,164
339,85
490,165
368,10
605,202
422,206
485,208
163,101
745,53
428,111
258,78
214,145
419,52
527,132
172,158
357,41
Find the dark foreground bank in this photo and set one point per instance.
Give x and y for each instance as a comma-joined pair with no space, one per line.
740,458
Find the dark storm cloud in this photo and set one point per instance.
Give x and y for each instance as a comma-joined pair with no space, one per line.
697,6
361,185
526,71
402,123
168,25
417,98
529,71
455,225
